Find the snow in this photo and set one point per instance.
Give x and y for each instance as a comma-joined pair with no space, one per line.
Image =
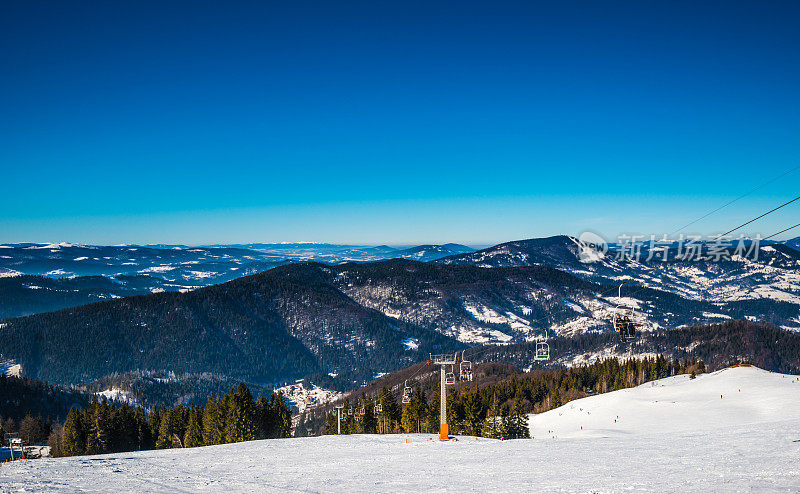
116,394
10,367
720,316
574,306
157,269
411,343
676,435
303,397
749,396
201,274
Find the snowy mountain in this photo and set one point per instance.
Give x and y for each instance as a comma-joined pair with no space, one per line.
67,275
731,397
672,435
766,284
276,326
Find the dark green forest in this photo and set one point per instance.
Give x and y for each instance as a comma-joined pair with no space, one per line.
104,427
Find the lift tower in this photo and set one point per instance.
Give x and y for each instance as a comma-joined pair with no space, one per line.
443,361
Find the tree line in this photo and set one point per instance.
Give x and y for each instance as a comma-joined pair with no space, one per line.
499,409
104,427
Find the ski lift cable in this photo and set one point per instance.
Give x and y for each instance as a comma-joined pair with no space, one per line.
757,218
785,230
734,200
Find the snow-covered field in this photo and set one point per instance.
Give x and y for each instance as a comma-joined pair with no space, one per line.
678,435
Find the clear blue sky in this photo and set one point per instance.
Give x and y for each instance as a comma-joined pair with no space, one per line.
393,122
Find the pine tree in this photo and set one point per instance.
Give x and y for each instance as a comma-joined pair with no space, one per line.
73,440
173,425
240,422
472,415
154,423
282,416
369,424
144,438
213,422
194,429
331,424
99,428
517,420
492,425
265,422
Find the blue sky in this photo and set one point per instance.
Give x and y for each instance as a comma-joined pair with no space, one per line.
393,122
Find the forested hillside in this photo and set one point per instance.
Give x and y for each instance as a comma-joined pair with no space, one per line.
493,405
283,324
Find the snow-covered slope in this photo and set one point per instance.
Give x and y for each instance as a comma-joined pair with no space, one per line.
675,436
728,398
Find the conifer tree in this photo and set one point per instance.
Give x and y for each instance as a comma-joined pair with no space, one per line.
517,420
331,424
282,417
213,422
173,425
73,440
154,423
99,428
194,429
369,423
240,422
472,415
144,439
492,424
265,422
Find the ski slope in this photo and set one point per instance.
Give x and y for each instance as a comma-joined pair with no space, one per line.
676,435
732,397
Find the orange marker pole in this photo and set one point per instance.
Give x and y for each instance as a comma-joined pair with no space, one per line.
444,433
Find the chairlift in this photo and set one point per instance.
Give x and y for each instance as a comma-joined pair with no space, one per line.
407,392
450,378
465,369
378,408
623,319
542,351
623,323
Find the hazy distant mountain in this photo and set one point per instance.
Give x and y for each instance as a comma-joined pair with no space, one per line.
137,270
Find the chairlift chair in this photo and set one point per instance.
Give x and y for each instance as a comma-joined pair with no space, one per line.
450,378
378,408
623,319
624,325
542,351
465,369
407,392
